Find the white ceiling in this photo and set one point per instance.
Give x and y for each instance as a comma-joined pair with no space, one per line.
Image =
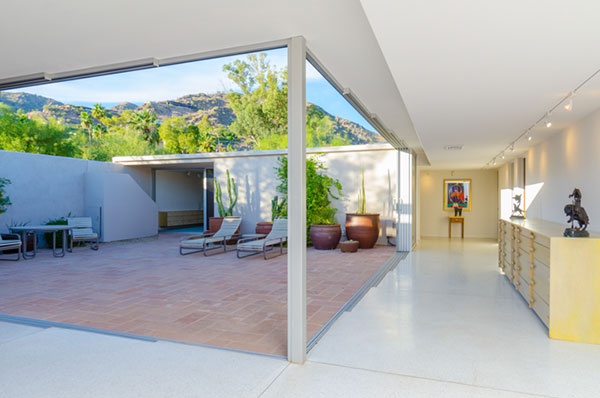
478,73
63,35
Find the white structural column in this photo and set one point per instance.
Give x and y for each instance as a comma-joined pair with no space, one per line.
297,200
405,197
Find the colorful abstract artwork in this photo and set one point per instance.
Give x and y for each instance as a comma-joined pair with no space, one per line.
457,193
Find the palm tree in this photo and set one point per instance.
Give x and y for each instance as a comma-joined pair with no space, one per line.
86,124
98,112
144,121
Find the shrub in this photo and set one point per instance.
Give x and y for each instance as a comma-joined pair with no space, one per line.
48,235
320,190
4,199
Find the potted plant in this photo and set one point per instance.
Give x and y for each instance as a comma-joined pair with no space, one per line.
362,226
277,207
325,232
320,189
214,223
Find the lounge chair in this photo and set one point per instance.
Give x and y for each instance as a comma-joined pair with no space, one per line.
81,231
10,242
257,245
212,240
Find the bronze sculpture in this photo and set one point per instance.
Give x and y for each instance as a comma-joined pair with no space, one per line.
517,212
576,212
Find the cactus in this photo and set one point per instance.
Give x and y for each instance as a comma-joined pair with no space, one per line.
277,208
362,200
232,192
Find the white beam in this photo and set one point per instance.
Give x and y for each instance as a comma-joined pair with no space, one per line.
405,197
297,200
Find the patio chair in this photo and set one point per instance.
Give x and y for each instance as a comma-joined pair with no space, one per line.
257,245
81,231
10,242
212,240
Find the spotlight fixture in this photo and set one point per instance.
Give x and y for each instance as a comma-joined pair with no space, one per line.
569,104
512,147
548,123
503,156
529,137
494,162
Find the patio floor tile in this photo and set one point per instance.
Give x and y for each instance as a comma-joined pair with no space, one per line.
146,287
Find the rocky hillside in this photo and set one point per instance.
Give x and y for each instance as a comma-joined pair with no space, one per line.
191,107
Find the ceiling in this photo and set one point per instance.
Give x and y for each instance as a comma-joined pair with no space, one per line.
478,73
436,73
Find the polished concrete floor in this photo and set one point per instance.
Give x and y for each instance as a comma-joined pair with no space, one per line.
444,323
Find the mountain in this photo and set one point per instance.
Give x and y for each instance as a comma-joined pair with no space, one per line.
191,107
26,102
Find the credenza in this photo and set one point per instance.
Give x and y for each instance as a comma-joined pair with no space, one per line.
559,277
177,218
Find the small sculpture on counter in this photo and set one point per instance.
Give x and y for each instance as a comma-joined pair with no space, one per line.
576,212
517,211
457,210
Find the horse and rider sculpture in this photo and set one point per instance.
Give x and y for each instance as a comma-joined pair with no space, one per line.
576,212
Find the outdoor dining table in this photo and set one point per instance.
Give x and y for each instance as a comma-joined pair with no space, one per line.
24,230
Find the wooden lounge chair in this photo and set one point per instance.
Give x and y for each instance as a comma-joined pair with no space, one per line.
81,231
257,245
10,242
212,240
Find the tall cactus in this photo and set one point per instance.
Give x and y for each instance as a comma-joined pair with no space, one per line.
232,192
362,200
278,208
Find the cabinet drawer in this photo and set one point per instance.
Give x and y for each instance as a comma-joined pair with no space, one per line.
541,253
542,309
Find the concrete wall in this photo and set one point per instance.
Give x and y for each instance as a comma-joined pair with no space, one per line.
480,222
175,190
568,160
255,177
48,187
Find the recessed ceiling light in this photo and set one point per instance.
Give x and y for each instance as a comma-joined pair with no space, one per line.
453,147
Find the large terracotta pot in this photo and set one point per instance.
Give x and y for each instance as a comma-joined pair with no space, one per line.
325,237
364,228
264,227
214,223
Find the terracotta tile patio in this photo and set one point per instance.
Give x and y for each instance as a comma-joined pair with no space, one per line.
147,288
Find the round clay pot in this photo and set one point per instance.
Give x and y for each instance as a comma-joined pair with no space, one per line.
264,227
349,246
325,237
364,228
214,223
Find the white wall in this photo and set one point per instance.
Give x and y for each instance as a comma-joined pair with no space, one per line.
255,177
568,160
47,187
127,211
480,222
175,190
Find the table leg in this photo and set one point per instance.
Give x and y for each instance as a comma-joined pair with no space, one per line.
54,252
26,255
462,230
449,229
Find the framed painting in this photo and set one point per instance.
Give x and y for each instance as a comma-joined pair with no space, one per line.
457,191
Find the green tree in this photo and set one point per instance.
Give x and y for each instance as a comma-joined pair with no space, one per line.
145,122
86,124
36,135
261,107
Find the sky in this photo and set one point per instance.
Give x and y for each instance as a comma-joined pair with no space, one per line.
174,81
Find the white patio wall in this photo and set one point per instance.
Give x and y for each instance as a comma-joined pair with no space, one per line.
176,190
256,180
48,187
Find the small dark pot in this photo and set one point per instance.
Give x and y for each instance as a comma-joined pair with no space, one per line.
349,246
325,237
28,246
364,228
264,227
